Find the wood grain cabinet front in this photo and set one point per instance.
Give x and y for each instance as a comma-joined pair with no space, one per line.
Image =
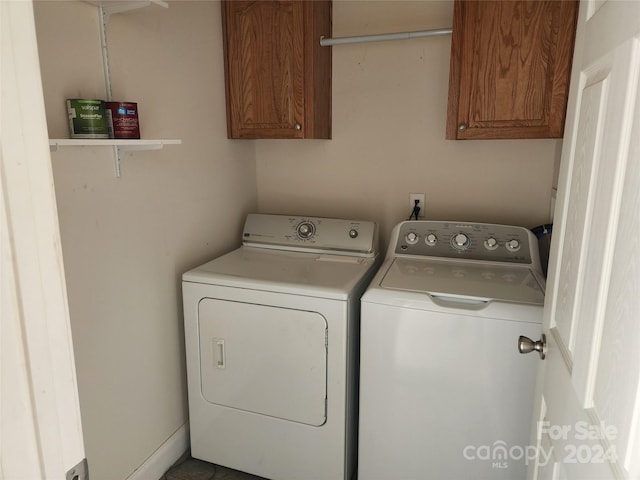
510,68
277,76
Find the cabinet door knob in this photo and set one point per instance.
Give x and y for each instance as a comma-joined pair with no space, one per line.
297,126
462,127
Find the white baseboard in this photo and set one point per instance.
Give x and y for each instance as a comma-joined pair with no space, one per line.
166,455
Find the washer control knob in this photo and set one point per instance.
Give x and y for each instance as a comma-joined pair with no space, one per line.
513,245
305,230
411,238
490,243
431,239
460,241
353,233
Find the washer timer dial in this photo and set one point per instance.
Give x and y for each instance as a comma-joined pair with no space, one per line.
460,241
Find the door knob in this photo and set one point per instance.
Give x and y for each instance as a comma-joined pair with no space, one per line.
526,345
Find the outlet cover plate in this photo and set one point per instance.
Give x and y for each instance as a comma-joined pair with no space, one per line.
79,472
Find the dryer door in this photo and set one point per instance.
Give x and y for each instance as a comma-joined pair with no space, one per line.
264,359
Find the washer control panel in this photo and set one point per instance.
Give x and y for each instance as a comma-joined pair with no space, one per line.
304,233
471,241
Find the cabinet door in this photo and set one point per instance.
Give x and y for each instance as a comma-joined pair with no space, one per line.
264,65
510,68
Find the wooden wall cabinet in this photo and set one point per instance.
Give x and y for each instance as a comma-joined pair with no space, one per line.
277,76
510,68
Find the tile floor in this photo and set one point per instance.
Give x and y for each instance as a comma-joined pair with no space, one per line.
189,468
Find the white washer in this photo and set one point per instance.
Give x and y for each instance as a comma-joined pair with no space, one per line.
444,393
271,333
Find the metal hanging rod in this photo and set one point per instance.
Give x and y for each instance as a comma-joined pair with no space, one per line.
383,37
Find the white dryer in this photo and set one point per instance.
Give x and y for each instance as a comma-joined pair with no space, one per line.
444,393
271,333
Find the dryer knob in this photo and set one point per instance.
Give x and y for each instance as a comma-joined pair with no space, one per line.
305,230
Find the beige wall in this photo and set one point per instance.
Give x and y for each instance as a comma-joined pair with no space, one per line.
127,240
389,113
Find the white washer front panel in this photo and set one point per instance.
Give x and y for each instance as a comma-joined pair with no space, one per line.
489,281
439,390
264,359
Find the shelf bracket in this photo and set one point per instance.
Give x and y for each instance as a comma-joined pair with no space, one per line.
116,159
104,21
104,13
117,151
111,8
118,145
105,10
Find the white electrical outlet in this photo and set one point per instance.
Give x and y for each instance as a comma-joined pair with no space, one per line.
412,202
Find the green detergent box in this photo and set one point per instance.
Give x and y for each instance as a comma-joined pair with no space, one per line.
87,119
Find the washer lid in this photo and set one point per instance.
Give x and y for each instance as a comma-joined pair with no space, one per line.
487,281
311,274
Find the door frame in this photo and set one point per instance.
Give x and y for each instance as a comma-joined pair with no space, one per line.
40,412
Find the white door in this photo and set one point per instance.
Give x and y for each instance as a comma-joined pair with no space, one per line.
587,424
40,429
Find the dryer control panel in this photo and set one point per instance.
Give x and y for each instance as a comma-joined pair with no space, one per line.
325,235
468,241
